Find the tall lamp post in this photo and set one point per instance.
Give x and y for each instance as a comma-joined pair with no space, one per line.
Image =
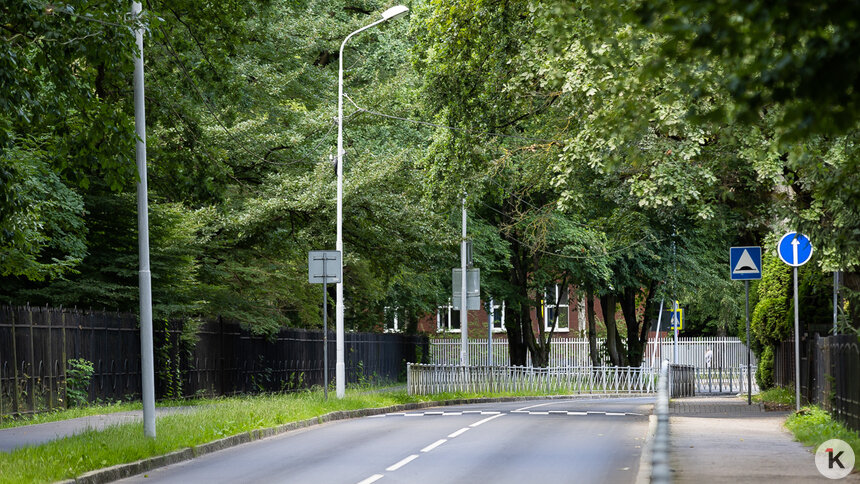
340,369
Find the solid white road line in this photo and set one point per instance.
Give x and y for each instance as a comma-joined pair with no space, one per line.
402,463
459,432
538,405
486,420
372,478
434,445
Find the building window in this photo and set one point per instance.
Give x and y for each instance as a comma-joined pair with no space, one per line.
554,294
497,316
392,319
448,319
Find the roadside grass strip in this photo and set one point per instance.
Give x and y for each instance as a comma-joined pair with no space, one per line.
813,426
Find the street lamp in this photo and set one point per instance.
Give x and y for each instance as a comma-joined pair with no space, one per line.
340,370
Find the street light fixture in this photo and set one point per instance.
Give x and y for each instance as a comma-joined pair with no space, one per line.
340,369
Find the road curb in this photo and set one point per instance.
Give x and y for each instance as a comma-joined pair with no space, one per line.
644,474
122,471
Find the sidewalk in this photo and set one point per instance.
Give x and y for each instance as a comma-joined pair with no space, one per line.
27,435
722,439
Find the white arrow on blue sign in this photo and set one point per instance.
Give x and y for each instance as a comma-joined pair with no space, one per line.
745,263
794,249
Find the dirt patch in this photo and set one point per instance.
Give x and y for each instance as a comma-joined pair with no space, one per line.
777,407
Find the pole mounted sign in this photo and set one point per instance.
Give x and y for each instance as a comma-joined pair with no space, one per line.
745,263
677,317
795,250
324,267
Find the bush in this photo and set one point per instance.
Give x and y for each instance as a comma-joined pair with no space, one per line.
764,373
79,372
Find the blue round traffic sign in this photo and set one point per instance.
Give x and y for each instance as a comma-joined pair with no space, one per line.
794,249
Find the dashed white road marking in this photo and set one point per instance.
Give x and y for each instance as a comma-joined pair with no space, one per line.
434,445
402,463
459,432
480,422
372,478
520,411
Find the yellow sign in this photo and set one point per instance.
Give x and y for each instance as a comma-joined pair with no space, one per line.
677,319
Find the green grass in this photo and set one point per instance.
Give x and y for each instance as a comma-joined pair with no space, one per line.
812,426
778,395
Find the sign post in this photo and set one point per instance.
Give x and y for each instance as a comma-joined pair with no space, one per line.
745,265
324,267
677,324
795,250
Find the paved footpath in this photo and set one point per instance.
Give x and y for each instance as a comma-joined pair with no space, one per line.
722,439
27,435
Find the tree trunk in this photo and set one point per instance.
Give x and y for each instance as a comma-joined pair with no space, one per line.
592,327
637,334
518,339
851,292
608,302
628,309
516,347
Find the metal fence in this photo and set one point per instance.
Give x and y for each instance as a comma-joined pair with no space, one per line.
829,374
215,358
682,381
726,352
724,380
427,379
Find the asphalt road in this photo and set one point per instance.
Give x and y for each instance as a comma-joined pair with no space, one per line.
520,442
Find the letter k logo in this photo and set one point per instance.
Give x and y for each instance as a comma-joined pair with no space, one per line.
834,458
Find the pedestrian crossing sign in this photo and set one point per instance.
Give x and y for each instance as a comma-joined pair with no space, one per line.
677,318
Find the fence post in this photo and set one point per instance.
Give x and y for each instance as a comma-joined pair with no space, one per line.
15,403
50,344
32,380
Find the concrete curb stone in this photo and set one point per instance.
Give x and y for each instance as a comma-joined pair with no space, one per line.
121,471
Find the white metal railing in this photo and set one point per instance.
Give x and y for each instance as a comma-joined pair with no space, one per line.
429,379
724,380
725,352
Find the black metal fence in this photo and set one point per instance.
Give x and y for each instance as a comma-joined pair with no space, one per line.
682,381
212,358
829,374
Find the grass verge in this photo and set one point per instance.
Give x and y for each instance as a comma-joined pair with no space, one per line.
812,426
216,418
776,398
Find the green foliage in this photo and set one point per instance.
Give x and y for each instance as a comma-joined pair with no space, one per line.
588,135
769,320
777,395
813,426
79,372
764,372
42,228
